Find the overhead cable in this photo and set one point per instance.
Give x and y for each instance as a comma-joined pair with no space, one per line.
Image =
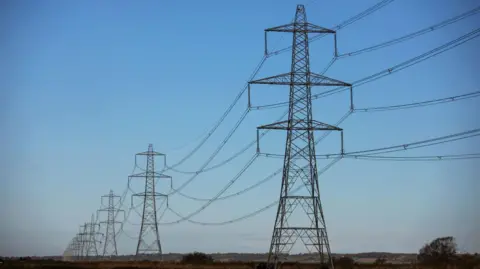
252,214
408,63
453,157
392,158
418,144
423,31
225,188
269,177
214,154
222,118
249,145
401,147
420,104
342,25
231,158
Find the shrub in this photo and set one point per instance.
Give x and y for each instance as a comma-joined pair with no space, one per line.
264,265
380,261
197,257
345,262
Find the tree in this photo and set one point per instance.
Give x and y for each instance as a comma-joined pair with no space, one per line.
197,257
440,251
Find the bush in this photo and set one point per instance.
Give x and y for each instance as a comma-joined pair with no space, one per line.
468,261
264,265
380,261
345,262
197,257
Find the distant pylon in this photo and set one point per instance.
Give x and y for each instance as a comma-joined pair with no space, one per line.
91,238
77,247
110,243
82,241
149,226
300,216
71,252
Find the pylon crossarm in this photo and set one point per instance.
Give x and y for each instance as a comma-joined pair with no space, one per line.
107,222
300,125
300,28
286,79
320,80
149,174
143,195
150,153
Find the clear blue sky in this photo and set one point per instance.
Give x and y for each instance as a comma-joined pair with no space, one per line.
87,84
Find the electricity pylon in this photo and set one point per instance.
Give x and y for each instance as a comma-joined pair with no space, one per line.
92,249
110,245
72,251
82,241
149,224
300,165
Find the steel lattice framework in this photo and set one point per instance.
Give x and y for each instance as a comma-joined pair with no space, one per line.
110,245
300,216
149,224
91,244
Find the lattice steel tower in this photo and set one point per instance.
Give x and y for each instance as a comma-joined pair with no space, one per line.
82,240
91,246
306,222
110,245
149,224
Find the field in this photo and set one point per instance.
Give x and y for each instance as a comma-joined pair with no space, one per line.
44,264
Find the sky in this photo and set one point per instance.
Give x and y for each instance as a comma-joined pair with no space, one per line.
87,84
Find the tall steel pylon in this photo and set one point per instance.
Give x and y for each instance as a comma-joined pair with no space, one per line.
306,222
149,224
110,245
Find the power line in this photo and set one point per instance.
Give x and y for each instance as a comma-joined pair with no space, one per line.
335,160
222,118
400,147
225,188
408,63
259,66
423,31
214,154
423,143
420,104
342,25
468,156
251,187
271,176
229,159
361,15
252,214
243,150
393,158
